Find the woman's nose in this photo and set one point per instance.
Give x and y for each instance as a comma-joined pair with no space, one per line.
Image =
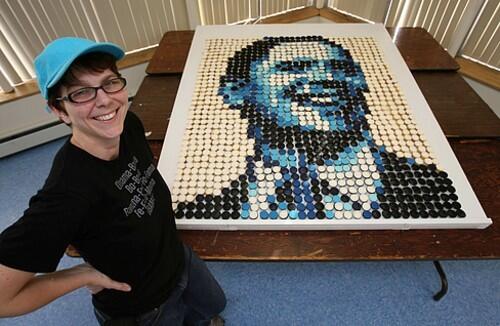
102,98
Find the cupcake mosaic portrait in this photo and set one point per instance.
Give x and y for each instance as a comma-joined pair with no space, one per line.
305,128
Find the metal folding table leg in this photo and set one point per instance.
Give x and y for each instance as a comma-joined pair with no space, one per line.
444,281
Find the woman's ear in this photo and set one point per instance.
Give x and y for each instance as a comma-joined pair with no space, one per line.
62,115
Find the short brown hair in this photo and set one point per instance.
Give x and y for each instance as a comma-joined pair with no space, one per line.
90,62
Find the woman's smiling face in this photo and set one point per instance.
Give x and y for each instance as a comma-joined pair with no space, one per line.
97,122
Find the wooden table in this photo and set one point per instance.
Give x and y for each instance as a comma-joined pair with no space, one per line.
473,131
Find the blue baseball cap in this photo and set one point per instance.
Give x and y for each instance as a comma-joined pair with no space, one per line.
55,59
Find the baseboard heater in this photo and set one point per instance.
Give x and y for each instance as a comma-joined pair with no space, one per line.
32,137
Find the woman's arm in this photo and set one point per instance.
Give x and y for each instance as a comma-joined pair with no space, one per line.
22,292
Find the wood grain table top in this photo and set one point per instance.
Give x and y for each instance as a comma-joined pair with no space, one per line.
172,52
420,50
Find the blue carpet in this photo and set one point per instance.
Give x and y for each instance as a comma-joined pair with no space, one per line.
286,293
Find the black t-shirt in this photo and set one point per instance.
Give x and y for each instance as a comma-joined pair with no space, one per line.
117,214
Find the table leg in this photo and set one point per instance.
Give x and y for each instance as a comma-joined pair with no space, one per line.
444,281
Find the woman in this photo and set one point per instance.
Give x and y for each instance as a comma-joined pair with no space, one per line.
105,197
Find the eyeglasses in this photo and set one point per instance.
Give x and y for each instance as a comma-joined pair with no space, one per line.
86,94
